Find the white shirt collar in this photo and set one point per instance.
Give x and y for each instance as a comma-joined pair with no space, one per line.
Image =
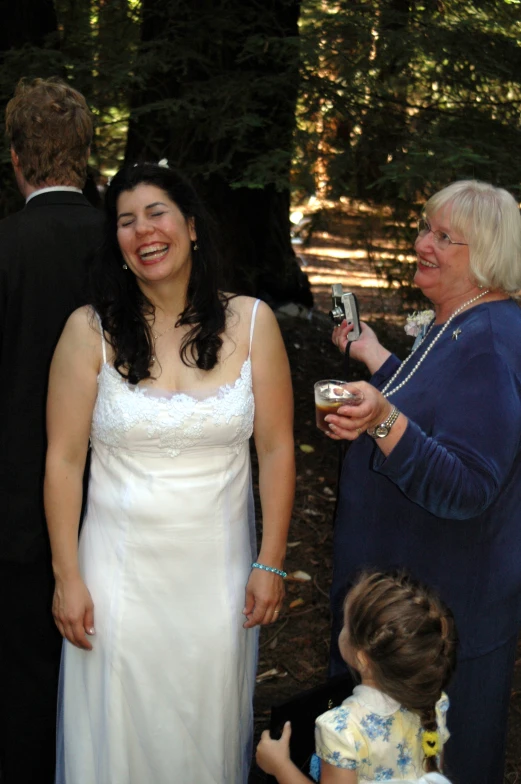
379,702
69,188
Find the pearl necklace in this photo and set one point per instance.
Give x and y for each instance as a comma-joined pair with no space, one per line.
387,391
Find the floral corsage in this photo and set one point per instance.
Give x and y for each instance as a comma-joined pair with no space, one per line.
417,324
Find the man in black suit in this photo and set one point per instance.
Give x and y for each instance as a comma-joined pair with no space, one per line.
44,253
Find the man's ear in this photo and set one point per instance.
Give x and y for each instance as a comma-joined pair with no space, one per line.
15,160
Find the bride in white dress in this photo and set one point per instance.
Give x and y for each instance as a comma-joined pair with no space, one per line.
159,603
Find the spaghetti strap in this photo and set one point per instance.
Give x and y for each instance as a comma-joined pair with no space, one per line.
103,342
253,314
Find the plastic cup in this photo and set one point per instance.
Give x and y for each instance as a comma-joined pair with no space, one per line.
330,394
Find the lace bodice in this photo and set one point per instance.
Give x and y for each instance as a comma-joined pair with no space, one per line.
127,417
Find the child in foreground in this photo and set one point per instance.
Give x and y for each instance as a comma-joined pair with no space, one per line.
401,639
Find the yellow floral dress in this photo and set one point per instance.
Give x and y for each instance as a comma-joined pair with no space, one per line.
374,735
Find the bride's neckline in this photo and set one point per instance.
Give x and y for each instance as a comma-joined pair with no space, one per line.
158,393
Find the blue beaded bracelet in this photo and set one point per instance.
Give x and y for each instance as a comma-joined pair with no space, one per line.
282,574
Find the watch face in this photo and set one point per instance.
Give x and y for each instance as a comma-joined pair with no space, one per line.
381,431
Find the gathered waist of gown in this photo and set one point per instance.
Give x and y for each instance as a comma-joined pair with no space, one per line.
139,451
211,489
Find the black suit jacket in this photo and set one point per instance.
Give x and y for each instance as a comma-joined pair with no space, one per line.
45,250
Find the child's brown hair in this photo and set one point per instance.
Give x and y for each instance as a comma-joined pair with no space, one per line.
410,638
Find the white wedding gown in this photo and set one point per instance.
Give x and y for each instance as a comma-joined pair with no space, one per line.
165,696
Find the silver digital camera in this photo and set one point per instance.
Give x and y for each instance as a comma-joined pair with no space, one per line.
345,306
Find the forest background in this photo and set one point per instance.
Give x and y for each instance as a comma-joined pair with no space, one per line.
343,114
320,104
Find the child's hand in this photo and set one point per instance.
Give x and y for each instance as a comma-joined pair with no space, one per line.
272,755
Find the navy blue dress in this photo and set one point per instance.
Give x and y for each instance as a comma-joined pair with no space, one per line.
446,503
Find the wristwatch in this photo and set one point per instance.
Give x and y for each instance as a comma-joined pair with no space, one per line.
383,430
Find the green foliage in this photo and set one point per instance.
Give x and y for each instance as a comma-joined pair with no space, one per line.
396,97
93,46
99,41
220,100
399,98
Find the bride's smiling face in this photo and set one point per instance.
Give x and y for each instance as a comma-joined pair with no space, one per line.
154,236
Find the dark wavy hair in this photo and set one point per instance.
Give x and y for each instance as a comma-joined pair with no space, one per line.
122,306
410,638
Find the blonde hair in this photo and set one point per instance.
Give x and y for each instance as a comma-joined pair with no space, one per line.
488,219
49,126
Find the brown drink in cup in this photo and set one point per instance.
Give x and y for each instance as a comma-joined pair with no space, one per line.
330,394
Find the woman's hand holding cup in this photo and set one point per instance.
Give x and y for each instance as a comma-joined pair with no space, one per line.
330,395
350,421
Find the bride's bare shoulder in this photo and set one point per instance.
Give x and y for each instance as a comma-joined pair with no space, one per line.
240,307
83,325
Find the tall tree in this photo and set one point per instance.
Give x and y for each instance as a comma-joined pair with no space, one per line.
29,45
410,94
98,43
26,22
382,132
401,97
215,90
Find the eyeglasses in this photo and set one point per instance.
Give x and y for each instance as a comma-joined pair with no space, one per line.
441,238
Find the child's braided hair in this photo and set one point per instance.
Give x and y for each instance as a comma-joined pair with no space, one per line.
410,638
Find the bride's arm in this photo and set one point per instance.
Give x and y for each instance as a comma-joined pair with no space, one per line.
70,402
273,433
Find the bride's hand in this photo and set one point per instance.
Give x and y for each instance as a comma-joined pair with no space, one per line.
73,611
264,595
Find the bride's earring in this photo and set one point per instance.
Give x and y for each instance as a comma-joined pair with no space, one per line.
125,266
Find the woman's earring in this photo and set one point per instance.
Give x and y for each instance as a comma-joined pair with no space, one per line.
196,246
125,266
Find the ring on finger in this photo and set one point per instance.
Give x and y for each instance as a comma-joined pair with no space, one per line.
359,431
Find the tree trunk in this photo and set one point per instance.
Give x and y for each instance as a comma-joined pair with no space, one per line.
385,122
31,24
115,39
219,104
26,22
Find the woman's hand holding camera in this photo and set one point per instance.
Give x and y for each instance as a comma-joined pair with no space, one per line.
366,349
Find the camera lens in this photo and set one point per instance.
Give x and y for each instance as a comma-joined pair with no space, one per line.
337,314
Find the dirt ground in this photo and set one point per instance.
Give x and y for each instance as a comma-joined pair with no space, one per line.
294,652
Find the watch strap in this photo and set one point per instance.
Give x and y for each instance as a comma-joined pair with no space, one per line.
382,430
